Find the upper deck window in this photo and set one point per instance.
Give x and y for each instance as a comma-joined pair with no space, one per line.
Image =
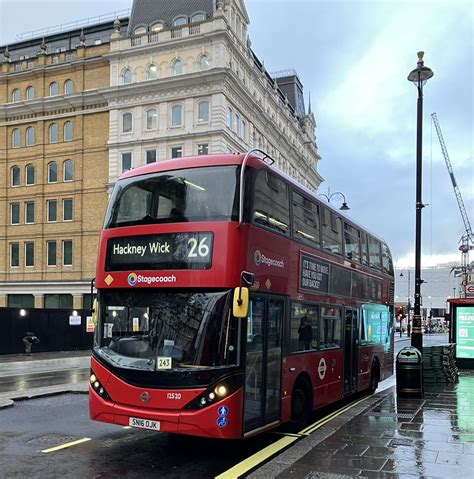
195,194
305,220
271,202
375,253
331,232
387,263
351,243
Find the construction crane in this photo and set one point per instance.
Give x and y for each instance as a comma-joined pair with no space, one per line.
467,239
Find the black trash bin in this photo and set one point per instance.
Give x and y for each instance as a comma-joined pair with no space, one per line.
409,373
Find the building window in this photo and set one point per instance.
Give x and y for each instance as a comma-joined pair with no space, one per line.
67,209
176,152
177,22
30,136
30,174
15,176
139,31
14,255
29,253
53,89
67,253
203,149
58,301
177,115
177,67
15,213
16,95
16,138
126,161
52,207
68,170
150,156
152,72
126,76
203,111
21,301
51,253
53,133
68,131
30,93
157,27
127,120
236,123
151,119
29,212
243,129
68,87
198,17
204,63
52,172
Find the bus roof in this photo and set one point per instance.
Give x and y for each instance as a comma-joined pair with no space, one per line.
233,159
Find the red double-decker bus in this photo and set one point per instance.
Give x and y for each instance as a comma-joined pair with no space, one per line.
230,299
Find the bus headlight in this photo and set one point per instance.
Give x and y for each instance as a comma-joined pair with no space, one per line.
97,387
225,387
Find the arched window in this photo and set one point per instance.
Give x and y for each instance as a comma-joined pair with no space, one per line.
68,131
151,119
53,133
126,76
177,67
127,120
243,129
177,115
203,111
30,174
16,138
152,72
30,136
68,170
204,63
198,17
139,30
53,89
52,172
30,93
15,176
16,95
236,123
157,27
68,87
180,21
229,118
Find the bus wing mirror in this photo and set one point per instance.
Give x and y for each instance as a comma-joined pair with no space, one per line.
240,305
94,311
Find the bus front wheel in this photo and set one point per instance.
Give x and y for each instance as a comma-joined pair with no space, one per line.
301,404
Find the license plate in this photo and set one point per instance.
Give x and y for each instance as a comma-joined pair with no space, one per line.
144,423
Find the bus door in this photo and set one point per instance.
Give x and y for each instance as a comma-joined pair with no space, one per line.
263,362
351,351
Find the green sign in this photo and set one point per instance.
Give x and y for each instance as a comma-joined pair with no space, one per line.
465,332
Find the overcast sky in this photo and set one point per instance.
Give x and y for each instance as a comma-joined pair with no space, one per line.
354,58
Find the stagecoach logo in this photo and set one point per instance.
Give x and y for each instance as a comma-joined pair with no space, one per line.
132,279
260,258
144,397
322,368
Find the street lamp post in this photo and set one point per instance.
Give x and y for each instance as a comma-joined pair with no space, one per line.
344,206
419,76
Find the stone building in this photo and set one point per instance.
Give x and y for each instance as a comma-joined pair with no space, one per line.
80,106
53,166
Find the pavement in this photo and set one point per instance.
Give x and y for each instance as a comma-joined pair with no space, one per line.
382,436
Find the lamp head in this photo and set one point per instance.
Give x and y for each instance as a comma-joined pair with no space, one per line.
421,74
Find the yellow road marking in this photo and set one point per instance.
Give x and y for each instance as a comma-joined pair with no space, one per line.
264,454
68,444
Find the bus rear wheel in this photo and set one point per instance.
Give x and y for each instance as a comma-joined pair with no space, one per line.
301,404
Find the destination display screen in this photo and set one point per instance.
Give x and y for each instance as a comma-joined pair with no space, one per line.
465,332
160,252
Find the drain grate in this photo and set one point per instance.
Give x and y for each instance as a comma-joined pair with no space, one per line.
325,475
401,442
390,414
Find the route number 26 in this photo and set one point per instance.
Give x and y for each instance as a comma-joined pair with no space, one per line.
198,249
